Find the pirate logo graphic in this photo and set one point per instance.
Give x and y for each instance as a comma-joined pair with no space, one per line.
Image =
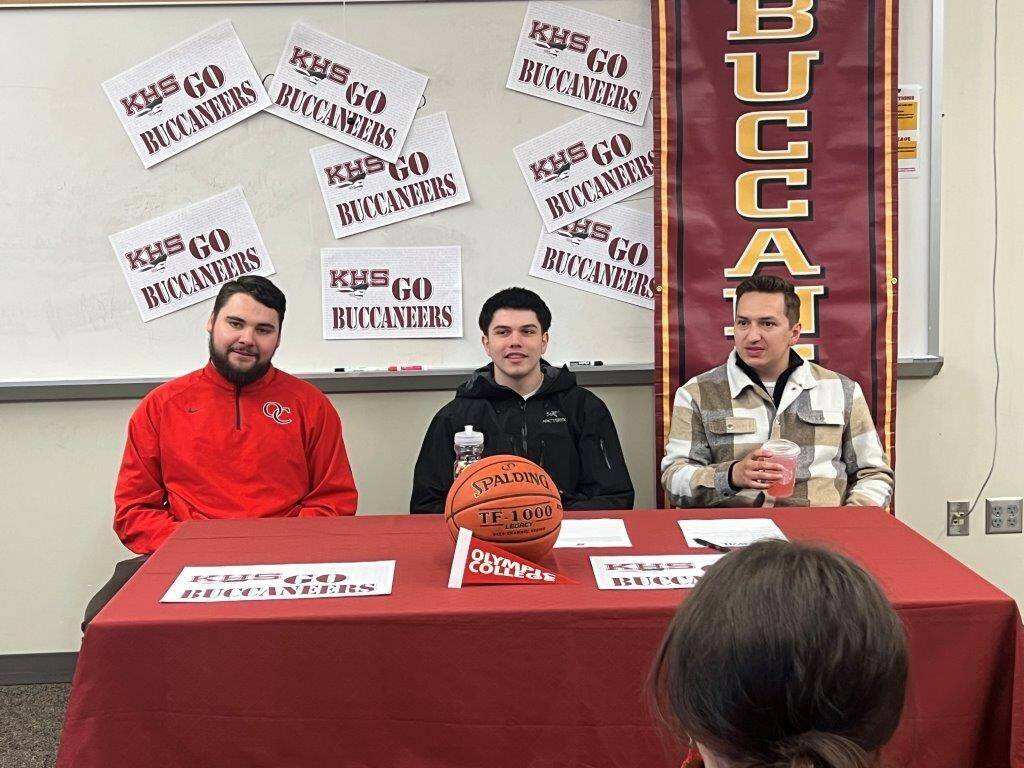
356,289
153,108
552,49
313,77
355,181
560,172
157,263
572,234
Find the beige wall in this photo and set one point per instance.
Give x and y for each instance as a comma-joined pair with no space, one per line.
944,425
57,460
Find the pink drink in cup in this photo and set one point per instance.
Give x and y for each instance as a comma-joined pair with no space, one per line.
784,453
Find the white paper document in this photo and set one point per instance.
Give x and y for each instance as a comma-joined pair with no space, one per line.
586,165
610,253
593,533
345,93
186,94
363,192
730,533
290,581
396,293
184,257
583,60
650,571
908,126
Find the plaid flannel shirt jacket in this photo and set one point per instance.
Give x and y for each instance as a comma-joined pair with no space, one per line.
722,415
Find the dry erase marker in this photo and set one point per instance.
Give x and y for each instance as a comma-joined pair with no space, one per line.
583,363
401,368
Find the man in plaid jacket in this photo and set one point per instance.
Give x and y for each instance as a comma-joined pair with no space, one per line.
765,391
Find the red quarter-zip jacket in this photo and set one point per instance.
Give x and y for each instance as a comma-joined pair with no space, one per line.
200,448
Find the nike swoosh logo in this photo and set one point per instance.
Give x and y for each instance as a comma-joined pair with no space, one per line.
193,410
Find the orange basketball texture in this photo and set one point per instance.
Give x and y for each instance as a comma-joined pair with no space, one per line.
508,501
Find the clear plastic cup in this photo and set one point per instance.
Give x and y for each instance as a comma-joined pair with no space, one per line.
784,453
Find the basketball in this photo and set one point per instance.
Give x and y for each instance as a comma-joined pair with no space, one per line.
508,501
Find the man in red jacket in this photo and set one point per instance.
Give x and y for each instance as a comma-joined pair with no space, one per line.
238,438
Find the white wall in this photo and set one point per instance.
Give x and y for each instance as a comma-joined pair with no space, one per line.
57,460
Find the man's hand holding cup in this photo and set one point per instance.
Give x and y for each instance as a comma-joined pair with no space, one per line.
756,470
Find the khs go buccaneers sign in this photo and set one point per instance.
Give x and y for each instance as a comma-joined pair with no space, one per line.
398,293
183,258
345,93
187,94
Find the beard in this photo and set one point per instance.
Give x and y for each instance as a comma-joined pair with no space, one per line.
236,376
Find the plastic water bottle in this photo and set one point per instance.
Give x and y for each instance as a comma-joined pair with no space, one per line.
469,447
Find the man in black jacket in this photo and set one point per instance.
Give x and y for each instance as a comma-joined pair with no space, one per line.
528,408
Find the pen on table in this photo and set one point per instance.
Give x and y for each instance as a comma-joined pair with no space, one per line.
712,545
585,363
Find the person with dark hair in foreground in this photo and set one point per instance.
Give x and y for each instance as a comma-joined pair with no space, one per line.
237,438
783,656
526,407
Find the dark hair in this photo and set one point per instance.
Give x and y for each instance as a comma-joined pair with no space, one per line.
783,655
515,298
259,288
772,284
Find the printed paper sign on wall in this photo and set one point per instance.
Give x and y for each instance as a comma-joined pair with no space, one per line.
583,60
610,254
182,258
345,93
395,293
188,93
363,192
584,166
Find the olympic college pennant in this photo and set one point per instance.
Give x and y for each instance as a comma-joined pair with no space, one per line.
478,562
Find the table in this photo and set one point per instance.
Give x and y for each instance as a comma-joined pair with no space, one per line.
538,676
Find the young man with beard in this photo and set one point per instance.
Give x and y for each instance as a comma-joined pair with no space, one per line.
237,438
765,391
528,408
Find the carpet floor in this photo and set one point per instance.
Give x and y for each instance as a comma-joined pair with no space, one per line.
31,717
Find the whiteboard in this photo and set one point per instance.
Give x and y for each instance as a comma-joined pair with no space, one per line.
920,63
70,178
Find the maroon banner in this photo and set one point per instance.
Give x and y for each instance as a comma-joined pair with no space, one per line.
774,135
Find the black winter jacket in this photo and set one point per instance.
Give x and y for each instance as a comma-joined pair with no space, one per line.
563,427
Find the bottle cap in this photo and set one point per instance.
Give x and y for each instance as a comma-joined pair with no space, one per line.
469,437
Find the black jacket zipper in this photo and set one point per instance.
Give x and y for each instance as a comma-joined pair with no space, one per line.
238,408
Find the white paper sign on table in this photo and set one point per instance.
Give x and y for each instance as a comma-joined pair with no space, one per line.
397,293
363,192
586,165
602,532
730,533
289,581
583,60
186,94
183,257
610,253
650,571
345,93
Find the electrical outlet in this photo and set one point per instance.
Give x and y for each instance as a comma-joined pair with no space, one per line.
1003,515
957,521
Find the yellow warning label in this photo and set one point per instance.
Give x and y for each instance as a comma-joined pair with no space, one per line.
907,148
906,114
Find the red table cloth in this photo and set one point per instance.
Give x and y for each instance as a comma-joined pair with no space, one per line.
517,676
